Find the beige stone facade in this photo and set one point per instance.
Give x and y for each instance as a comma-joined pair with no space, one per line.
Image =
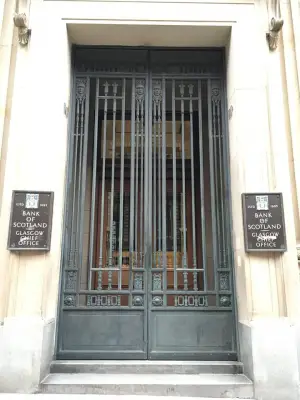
263,94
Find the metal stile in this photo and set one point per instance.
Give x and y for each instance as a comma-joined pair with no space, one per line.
147,234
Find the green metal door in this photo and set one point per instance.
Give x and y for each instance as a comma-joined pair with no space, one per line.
147,260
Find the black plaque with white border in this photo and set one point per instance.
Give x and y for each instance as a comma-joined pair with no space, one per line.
264,227
30,221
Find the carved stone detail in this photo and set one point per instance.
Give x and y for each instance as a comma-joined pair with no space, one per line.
20,21
275,25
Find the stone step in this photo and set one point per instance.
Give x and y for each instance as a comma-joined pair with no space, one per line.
203,385
45,396
147,367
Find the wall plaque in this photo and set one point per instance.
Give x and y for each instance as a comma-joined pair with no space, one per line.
264,227
30,220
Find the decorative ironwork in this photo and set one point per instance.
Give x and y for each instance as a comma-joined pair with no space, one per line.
103,301
138,301
190,301
138,281
157,281
81,89
140,91
157,301
224,281
71,280
216,95
156,92
225,301
103,61
70,301
147,217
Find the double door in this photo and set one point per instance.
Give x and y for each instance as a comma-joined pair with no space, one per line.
147,212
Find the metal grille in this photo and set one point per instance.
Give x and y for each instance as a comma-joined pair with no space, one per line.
147,214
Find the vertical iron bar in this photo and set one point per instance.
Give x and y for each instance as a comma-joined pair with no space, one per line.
132,192
214,101
164,192
222,196
142,186
212,182
115,88
174,184
226,198
70,187
78,244
137,134
122,186
94,184
147,209
147,193
106,88
159,184
154,181
147,243
75,187
185,274
202,188
150,177
191,88
85,138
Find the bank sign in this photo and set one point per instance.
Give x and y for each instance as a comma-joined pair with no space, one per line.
30,221
264,227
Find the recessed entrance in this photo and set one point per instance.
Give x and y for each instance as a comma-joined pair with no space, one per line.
147,260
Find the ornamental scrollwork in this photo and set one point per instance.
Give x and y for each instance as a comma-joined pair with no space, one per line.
20,21
224,281
225,301
69,301
140,91
215,95
157,92
275,24
81,89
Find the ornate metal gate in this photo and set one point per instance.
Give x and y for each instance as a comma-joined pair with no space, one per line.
147,247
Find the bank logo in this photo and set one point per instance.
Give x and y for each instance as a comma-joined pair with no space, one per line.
262,202
32,200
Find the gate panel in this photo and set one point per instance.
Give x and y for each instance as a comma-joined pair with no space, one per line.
190,304
147,244
104,288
